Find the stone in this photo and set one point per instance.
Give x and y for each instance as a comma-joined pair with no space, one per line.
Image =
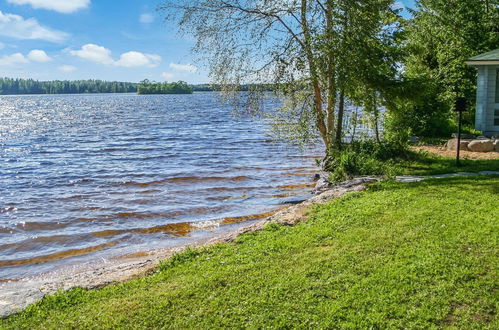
496,146
481,137
413,139
452,144
481,146
322,185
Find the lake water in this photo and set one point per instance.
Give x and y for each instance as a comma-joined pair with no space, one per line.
91,177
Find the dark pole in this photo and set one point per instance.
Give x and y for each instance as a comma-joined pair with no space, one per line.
459,106
458,163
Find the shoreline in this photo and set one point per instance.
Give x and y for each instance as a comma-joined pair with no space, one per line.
17,295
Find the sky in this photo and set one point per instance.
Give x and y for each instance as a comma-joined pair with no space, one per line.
118,40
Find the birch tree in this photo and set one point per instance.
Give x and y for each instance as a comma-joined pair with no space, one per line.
315,53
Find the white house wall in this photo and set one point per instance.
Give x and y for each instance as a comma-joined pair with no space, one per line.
486,99
481,100
491,99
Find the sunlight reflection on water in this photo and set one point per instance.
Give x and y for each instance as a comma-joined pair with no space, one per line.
88,173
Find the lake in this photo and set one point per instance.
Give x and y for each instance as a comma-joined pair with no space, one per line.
85,178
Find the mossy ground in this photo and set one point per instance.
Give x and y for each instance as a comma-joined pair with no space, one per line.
419,255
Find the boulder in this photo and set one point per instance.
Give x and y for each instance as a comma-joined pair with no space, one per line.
452,144
481,146
496,145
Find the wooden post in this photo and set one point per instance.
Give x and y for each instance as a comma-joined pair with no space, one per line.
458,163
459,106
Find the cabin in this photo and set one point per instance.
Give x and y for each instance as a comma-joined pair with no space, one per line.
487,98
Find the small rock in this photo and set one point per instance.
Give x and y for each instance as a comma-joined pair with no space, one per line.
321,185
452,144
481,146
409,178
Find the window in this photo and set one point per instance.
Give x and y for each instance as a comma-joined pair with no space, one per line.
496,117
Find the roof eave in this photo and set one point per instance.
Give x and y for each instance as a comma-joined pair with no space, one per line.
483,62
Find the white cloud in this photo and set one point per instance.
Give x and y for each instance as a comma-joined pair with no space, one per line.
13,59
61,6
67,68
183,67
146,18
39,56
99,54
94,53
131,59
398,5
16,26
167,75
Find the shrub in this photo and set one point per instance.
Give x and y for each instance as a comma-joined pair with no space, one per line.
366,157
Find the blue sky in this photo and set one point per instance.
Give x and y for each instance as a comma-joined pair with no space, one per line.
125,40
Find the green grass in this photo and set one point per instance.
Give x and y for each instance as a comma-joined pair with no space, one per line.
424,163
421,255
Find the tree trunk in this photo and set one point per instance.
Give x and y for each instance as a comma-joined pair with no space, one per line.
376,117
331,86
376,127
355,116
321,125
339,122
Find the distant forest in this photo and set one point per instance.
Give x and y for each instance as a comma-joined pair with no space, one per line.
17,86
9,86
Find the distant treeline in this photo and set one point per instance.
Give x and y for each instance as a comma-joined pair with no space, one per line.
151,87
17,86
241,88
181,87
9,86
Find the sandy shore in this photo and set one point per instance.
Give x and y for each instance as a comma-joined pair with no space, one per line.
17,295
442,151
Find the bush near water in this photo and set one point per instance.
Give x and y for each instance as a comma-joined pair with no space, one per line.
366,157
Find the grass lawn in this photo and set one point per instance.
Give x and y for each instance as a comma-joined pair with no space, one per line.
419,255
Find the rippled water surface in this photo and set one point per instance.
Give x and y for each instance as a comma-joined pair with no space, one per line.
86,177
